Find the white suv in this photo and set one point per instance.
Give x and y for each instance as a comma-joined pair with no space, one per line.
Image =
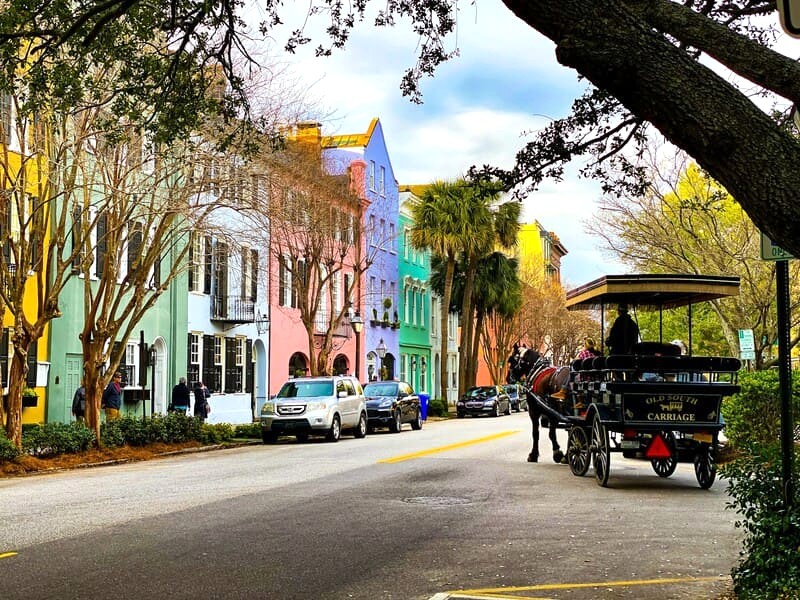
315,406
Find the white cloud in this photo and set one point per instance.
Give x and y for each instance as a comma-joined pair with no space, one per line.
506,81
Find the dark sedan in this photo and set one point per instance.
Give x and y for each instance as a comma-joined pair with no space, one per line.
390,404
483,400
517,397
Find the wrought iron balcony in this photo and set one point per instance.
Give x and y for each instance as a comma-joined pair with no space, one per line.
233,309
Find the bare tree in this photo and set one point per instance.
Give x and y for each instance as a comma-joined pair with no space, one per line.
313,228
687,223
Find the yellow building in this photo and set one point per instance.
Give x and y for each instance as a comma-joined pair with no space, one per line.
23,186
539,253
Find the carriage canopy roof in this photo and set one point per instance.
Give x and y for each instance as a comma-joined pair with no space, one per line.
651,291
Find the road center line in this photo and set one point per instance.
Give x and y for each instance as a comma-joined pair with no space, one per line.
413,455
7,554
569,586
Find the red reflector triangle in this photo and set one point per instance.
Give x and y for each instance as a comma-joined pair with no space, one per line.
658,448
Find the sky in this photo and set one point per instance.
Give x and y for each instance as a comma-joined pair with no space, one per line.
476,111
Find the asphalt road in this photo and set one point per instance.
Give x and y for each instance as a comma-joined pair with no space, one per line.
451,511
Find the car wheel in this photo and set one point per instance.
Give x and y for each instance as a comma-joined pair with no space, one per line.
269,437
301,437
361,428
496,410
508,410
335,432
416,424
396,423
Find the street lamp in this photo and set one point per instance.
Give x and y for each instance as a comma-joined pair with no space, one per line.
357,323
381,351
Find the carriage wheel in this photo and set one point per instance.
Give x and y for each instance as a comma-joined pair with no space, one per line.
664,467
578,455
705,467
601,454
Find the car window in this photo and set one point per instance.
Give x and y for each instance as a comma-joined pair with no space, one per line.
340,387
405,389
306,389
380,389
348,385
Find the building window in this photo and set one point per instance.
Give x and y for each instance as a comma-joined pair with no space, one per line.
217,349
194,349
391,239
382,181
372,175
406,242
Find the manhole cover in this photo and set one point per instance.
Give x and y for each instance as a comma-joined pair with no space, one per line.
438,500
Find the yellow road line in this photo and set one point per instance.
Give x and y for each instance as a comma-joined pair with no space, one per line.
570,586
7,554
488,438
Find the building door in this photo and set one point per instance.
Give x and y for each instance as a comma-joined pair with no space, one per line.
72,380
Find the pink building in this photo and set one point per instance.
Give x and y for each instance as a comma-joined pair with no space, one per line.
316,266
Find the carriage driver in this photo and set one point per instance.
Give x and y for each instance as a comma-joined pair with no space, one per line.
624,333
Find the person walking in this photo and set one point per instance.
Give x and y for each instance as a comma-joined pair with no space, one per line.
79,404
181,396
201,396
112,397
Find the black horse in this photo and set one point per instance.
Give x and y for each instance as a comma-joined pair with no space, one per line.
522,365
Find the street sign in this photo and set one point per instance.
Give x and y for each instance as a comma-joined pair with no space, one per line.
789,11
770,251
747,346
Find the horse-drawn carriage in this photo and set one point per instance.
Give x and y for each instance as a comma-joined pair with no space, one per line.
655,402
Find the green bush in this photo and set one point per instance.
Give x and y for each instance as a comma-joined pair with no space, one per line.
248,430
754,414
769,568
51,439
216,433
112,433
8,451
437,408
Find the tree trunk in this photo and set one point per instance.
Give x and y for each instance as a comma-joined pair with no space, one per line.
692,106
16,383
465,373
450,269
473,359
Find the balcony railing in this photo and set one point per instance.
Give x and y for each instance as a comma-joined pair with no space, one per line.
233,309
344,330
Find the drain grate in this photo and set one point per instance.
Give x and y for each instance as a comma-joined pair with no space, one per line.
438,500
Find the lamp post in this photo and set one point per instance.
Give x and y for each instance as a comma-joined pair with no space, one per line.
357,323
381,352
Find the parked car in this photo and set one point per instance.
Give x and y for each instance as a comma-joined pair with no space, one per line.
392,403
315,406
483,400
519,401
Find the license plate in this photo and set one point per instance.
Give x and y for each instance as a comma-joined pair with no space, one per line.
628,444
703,437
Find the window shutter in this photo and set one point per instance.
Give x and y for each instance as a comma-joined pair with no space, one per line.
232,381
253,275
102,244
4,356
135,237
192,258
30,381
207,266
281,281
77,231
249,366
209,371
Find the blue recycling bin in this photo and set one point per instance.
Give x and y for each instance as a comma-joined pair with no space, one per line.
423,406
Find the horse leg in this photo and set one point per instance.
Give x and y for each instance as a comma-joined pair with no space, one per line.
558,455
534,415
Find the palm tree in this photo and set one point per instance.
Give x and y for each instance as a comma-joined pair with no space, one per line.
441,223
498,298
492,224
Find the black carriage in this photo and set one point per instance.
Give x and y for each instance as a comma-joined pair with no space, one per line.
655,402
